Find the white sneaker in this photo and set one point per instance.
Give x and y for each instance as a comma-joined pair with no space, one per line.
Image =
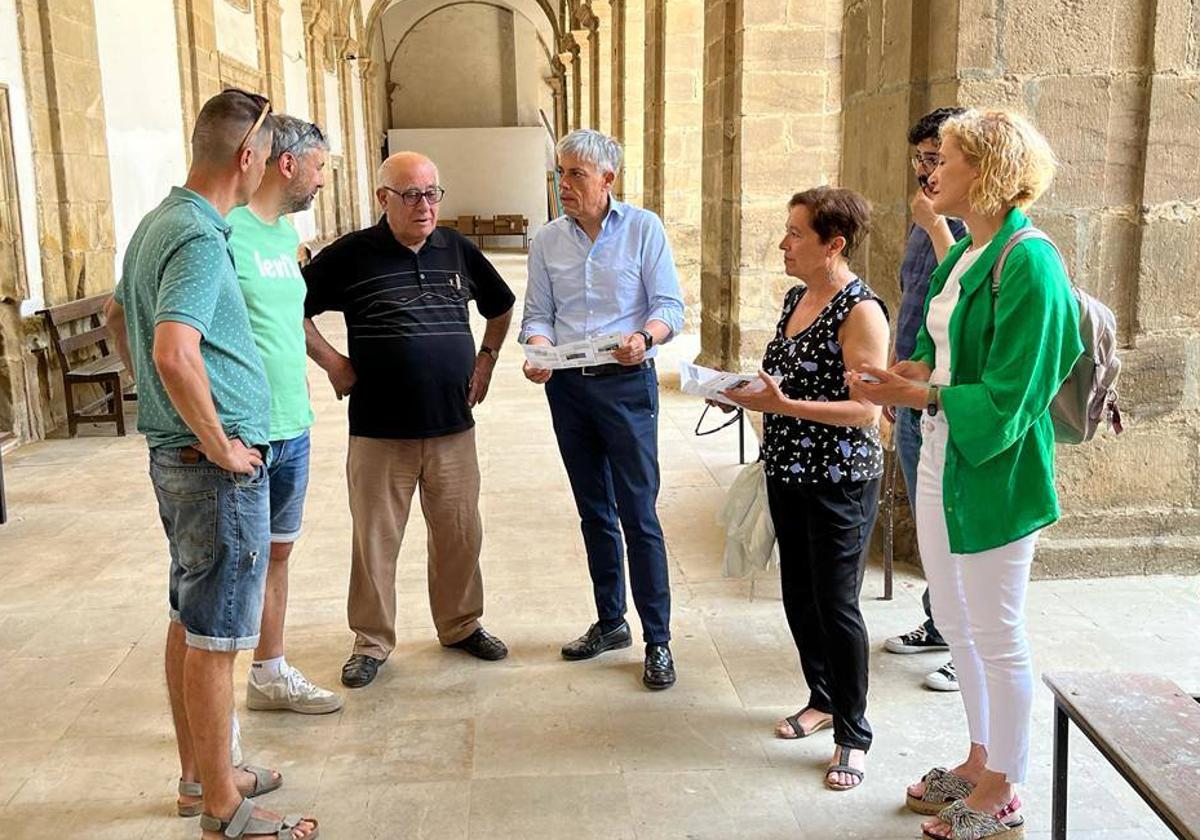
943,679
291,691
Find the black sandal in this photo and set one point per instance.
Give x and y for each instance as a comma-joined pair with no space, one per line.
843,766
798,731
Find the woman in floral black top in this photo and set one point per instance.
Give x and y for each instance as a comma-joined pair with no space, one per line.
822,458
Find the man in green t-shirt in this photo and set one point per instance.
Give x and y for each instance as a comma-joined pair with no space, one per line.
264,246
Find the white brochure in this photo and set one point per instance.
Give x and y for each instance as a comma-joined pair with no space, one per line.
591,351
709,384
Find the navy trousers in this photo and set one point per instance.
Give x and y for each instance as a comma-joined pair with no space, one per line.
607,430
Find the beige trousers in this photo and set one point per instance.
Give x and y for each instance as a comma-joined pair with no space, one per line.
382,474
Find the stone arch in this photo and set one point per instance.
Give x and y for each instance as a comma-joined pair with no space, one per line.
440,5
526,7
510,92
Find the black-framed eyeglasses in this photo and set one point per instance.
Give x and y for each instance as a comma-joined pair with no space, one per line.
313,130
413,197
261,102
929,160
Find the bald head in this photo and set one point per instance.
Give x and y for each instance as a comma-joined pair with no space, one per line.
406,169
401,178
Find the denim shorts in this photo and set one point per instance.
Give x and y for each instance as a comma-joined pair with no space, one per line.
217,526
289,484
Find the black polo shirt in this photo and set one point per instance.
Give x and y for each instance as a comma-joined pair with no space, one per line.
406,318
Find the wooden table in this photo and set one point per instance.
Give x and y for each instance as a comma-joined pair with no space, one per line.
1149,730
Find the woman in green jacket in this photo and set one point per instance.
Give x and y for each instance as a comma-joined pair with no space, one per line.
985,370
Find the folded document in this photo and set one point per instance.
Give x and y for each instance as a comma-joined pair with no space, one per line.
591,351
710,384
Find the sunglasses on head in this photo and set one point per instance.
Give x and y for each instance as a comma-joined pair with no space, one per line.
313,130
260,102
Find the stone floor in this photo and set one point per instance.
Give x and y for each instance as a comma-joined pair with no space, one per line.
445,747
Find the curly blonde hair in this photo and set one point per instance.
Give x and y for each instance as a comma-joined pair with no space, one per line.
1015,163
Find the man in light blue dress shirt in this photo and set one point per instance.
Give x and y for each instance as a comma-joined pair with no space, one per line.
601,268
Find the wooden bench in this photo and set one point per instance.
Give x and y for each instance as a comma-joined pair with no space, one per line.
1149,730
479,227
75,327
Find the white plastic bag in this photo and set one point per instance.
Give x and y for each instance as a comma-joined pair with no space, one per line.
746,518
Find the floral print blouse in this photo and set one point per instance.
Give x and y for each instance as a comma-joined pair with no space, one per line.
797,451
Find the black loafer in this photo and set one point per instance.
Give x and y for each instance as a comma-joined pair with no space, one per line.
483,645
660,668
595,642
360,670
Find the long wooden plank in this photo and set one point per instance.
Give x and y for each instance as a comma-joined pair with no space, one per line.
98,367
76,309
89,338
1149,728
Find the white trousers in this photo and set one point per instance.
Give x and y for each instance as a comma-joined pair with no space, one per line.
978,605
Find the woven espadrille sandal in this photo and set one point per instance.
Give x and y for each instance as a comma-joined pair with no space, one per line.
941,788
968,824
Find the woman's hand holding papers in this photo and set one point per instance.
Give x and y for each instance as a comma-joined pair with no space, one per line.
768,399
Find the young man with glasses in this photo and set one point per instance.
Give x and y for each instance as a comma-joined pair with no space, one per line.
264,246
413,375
606,267
180,324
929,238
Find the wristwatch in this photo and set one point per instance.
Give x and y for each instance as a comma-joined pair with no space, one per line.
648,336
931,408
483,348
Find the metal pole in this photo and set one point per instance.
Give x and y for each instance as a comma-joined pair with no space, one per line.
1058,826
741,436
3,504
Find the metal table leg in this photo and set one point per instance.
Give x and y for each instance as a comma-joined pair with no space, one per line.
3,504
1058,825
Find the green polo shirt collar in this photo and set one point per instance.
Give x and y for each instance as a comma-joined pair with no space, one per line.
203,204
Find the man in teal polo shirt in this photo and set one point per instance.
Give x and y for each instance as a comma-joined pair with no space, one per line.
264,246
180,324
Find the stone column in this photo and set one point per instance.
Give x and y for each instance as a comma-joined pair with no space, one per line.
317,30
682,142
374,124
632,101
1115,87
352,206
60,58
1121,109
584,76
199,65
616,71
655,13
269,15
570,61
771,100
602,58
557,80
